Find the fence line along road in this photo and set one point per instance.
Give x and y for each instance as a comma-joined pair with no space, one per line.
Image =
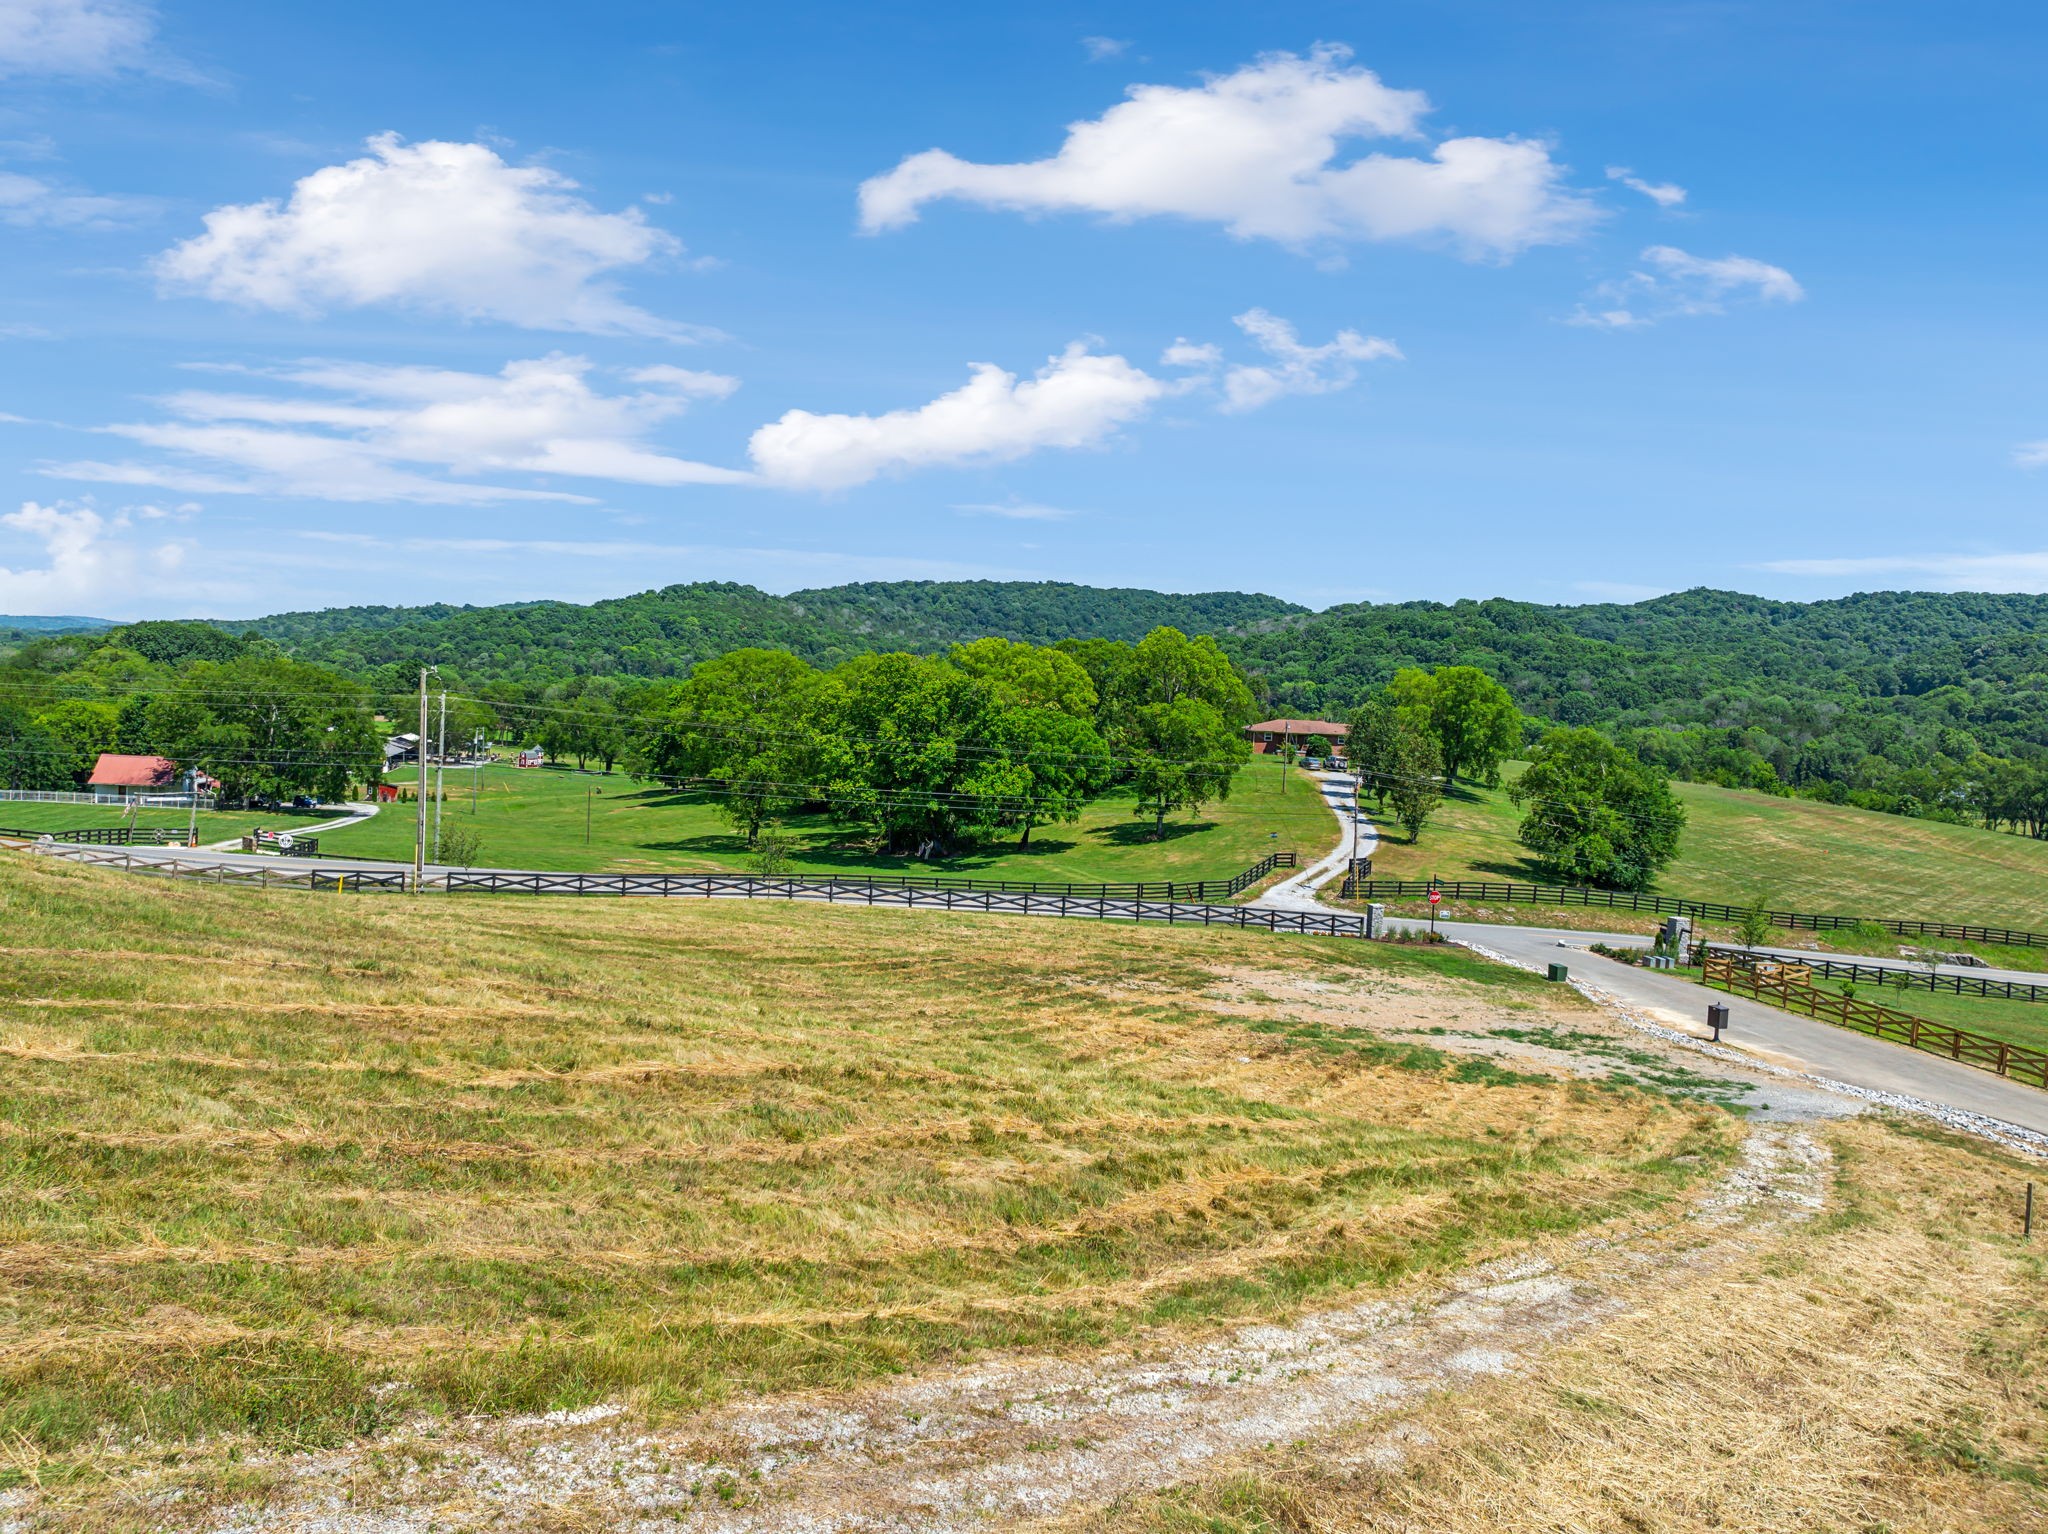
1887,974
1139,889
1774,986
1672,905
106,836
734,887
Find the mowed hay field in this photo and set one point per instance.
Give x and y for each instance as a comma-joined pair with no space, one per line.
584,822
1801,854
280,1170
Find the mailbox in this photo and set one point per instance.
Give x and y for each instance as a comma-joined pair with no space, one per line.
1717,1017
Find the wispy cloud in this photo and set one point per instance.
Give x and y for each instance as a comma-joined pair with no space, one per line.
2026,570
1619,591
1016,511
1665,194
1672,283
1100,48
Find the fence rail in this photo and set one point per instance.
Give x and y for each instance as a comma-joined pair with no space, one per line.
1141,889
105,836
745,887
1672,905
68,796
1771,983
259,876
1888,974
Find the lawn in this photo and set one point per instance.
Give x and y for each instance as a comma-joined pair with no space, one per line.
1798,854
28,815
279,1170
537,818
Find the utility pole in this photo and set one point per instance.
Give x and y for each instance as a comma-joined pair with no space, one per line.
192,819
589,795
419,834
440,765
476,770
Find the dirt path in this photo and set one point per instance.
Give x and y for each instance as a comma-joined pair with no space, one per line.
1028,1438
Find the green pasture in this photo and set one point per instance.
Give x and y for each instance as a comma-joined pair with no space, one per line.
1797,854
28,815
584,822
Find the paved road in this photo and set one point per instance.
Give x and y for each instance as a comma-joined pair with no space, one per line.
352,814
1777,1038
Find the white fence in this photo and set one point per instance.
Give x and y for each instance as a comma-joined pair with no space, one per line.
147,801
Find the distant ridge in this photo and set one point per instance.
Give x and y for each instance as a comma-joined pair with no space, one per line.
40,625
666,632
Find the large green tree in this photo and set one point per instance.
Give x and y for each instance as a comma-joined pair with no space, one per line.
1028,676
1187,754
746,721
1373,747
1595,814
30,756
1473,718
906,753
1415,782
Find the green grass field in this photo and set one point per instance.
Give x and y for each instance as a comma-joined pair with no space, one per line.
1799,854
18,815
279,1170
536,818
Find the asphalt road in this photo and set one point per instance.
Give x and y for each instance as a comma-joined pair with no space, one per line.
1774,1037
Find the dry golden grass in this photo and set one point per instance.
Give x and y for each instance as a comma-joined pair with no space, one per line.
1882,1368
277,1170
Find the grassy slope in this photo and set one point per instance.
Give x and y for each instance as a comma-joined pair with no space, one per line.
1877,1368
281,1169
535,819
1805,856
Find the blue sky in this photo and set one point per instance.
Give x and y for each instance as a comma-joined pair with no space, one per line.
399,303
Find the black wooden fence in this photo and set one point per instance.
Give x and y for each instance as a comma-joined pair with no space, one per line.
750,887
1672,905
1178,912
105,836
1881,974
1139,889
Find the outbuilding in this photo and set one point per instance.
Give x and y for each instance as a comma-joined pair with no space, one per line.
115,776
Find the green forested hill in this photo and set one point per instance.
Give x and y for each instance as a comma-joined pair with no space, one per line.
924,615
665,632
1883,692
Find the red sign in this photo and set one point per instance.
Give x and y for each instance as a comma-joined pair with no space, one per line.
1435,896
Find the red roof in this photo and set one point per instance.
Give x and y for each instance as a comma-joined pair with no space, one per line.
113,770
1302,727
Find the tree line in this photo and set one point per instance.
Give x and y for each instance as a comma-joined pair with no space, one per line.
995,737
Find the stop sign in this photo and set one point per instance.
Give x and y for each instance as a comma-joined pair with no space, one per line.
1435,896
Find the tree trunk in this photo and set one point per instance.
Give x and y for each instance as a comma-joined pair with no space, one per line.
1024,840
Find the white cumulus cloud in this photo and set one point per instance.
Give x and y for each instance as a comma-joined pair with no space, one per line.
1076,400
357,432
92,559
1267,152
75,37
437,226
1673,283
1665,194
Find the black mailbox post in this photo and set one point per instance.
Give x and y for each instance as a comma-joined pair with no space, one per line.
1717,1018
